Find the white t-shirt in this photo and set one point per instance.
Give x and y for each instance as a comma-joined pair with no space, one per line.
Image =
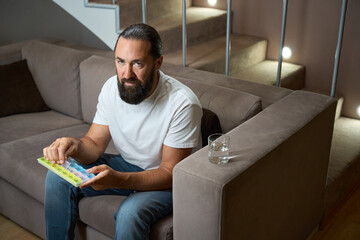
170,116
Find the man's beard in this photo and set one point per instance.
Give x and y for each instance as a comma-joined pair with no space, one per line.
138,93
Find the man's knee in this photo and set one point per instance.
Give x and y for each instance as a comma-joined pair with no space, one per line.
55,183
145,208
129,211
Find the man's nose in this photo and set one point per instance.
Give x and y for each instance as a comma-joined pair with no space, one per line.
128,73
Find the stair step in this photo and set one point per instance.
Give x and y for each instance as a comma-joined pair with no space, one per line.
210,56
203,24
131,10
292,75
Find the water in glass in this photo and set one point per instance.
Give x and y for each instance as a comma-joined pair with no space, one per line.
218,152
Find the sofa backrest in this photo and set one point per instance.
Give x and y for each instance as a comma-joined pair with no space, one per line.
55,70
268,94
232,107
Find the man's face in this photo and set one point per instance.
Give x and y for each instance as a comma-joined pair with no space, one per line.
136,70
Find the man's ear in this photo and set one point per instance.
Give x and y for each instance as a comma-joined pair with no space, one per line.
158,63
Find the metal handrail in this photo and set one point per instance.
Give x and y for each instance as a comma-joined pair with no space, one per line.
282,38
228,40
184,37
338,47
143,4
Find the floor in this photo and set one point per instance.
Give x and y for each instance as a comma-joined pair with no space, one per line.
10,230
344,226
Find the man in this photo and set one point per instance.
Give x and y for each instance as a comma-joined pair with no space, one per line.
154,122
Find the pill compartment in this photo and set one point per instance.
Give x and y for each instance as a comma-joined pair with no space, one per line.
70,171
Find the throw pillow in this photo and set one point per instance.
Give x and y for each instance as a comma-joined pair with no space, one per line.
19,93
210,124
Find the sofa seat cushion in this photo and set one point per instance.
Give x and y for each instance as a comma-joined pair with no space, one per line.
24,125
18,159
56,72
98,212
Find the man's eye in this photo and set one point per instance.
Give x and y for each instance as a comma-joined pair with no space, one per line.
138,64
120,61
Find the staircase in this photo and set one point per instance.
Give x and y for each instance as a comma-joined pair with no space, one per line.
206,39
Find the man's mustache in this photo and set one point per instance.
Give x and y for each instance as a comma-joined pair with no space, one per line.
130,80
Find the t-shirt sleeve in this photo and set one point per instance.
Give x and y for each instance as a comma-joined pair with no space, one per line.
102,107
184,130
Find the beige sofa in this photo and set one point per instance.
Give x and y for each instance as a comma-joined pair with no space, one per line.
273,189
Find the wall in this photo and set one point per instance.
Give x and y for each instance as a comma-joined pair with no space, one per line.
311,32
24,19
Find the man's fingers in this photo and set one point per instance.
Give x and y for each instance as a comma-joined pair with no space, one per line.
87,183
45,153
64,149
97,169
52,152
59,150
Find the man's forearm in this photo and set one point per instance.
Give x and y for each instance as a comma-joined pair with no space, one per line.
88,152
155,179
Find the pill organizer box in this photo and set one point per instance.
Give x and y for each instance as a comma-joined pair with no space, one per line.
71,171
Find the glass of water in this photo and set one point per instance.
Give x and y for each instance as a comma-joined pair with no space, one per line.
218,148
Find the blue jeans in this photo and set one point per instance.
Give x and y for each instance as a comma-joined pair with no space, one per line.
134,218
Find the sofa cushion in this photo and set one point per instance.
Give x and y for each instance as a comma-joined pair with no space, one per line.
19,165
94,72
12,52
24,125
56,72
210,124
268,94
19,93
231,106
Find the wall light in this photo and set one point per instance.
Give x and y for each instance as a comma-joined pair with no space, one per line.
358,110
286,52
212,2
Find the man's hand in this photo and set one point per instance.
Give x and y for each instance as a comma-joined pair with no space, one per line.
106,178
61,149
154,179
85,150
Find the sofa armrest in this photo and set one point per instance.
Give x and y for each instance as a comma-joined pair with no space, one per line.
274,190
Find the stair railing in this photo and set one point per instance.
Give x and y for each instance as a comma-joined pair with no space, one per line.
143,5
338,47
228,40
282,38
184,38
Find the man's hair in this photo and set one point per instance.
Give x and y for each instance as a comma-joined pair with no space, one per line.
145,32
